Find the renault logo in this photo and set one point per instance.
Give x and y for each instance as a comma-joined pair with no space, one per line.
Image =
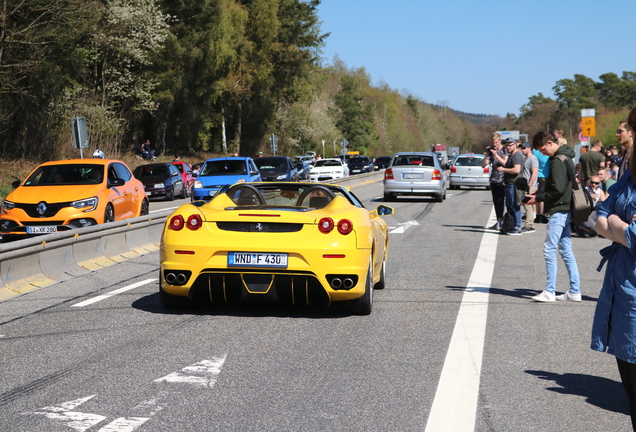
259,227
41,208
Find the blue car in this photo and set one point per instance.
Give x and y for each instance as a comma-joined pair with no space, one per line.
216,173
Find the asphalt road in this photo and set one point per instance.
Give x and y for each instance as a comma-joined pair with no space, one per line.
71,360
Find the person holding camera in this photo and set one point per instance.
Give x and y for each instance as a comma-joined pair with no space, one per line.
496,156
511,172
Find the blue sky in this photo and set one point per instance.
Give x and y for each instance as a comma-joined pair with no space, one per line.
484,56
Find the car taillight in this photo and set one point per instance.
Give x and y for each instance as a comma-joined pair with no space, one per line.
453,169
176,223
388,174
487,170
345,226
325,225
437,175
194,222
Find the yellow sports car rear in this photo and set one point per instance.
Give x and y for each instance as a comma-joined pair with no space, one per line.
292,243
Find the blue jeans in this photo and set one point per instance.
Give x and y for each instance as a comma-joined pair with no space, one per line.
512,205
558,234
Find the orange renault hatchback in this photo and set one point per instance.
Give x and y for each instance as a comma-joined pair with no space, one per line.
62,195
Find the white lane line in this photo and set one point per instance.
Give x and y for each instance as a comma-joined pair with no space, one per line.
112,293
455,404
201,374
404,226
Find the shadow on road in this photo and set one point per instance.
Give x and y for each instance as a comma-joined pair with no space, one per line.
151,303
515,292
598,391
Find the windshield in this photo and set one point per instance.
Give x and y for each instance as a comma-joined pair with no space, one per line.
468,161
414,160
56,175
144,171
271,164
327,162
357,160
223,167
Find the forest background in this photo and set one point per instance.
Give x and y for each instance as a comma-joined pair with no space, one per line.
208,77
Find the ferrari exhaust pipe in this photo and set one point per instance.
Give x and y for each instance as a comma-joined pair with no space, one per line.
348,283
336,283
171,278
181,279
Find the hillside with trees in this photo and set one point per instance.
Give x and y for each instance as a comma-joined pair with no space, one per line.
214,76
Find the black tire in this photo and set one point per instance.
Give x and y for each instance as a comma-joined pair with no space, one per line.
439,198
109,213
145,208
184,193
388,197
364,304
170,195
173,302
382,282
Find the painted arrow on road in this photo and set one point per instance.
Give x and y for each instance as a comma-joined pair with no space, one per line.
76,420
404,226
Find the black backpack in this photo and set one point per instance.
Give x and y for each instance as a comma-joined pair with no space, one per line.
508,223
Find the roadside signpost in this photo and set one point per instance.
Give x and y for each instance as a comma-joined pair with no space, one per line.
344,143
273,140
588,122
80,136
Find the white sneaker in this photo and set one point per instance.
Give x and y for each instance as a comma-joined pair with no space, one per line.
568,296
545,296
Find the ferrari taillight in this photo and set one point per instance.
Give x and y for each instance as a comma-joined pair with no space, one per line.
325,225
437,175
345,226
176,223
388,174
195,222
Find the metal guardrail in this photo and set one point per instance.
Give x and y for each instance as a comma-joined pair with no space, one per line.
45,260
41,261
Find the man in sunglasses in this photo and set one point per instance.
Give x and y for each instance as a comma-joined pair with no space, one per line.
594,187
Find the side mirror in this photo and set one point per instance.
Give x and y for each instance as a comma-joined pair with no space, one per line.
384,210
195,174
15,184
116,182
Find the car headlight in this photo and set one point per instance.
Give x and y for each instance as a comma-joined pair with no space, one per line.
91,203
8,205
158,186
197,185
281,177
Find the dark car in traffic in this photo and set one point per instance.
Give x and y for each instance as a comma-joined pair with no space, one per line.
382,162
277,168
360,164
303,168
161,180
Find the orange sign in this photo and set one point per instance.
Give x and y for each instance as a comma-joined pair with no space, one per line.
588,124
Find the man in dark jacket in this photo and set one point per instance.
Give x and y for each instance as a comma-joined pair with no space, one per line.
557,199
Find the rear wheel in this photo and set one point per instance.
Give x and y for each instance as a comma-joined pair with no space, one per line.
388,197
145,207
381,282
364,304
170,195
184,193
109,214
439,198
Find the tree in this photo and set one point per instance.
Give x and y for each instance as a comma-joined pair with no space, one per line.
355,119
574,95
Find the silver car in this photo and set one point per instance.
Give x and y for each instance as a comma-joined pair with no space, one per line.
415,173
467,171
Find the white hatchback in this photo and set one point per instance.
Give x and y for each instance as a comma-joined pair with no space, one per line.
467,171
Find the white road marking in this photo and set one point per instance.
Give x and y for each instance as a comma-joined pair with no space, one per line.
403,227
124,424
112,293
75,420
201,374
455,404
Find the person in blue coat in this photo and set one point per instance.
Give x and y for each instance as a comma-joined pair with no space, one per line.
614,325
